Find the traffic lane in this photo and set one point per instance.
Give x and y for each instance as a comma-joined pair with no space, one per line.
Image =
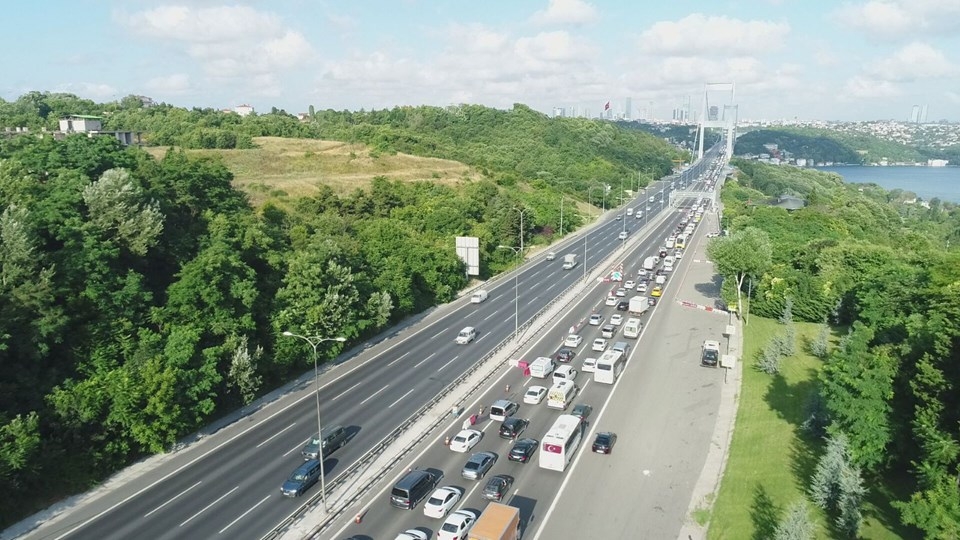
659,453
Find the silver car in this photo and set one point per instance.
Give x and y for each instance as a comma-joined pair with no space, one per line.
478,465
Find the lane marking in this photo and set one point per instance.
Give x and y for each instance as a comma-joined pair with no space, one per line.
490,315
207,507
252,508
401,397
431,355
399,358
270,438
347,391
374,394
297,447
173,499
448,363
438,333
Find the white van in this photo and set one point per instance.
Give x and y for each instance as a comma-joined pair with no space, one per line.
629,211
668,263
564,373
632,328
561,394
478,296
466,335
542,367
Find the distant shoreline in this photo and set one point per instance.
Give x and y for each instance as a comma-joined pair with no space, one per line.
926,182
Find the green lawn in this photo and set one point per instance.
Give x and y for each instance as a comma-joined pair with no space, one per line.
771,460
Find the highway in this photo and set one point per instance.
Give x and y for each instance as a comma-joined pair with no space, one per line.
228,483
534,489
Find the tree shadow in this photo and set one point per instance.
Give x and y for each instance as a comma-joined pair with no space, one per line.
789,400
804,455
764,513
710,289
878,504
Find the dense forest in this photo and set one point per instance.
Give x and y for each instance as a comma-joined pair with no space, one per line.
827,145
881,273
141,298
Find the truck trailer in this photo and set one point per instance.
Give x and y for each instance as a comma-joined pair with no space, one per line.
497,522
569,261
639,305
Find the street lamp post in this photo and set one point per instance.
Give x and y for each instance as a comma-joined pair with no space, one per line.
586,233
315,341
561,215
516,289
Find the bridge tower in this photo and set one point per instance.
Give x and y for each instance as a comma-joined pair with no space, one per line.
722,114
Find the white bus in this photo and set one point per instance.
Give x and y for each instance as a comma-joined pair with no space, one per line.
609,367
561,443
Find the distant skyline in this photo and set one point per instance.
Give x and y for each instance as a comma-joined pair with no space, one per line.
809,60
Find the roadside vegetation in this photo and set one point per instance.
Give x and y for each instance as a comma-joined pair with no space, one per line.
143,295
849,408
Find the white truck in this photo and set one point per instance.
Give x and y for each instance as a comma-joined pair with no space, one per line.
632,328
542,367
650,263
569,261
639,305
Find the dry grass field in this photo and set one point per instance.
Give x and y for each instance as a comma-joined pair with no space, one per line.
285,169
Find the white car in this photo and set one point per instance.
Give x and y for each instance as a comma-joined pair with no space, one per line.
457,525
616,319
596,319
573,340
599,345
621,292
465,440
622,235
713,234
412,534
442,502
611,301
589,365
678,254
629,284
642,288
534,395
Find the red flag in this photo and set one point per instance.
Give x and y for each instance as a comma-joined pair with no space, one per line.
607,106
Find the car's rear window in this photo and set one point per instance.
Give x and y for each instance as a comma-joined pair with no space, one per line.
397,492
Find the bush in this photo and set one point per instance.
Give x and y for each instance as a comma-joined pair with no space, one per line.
820,346
796,525
769,359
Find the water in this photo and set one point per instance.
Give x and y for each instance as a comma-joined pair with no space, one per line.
926,182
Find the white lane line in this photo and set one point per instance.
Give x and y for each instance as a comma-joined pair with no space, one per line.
424,360
401,397
252,508
347,391
375,393
490,315
173,499
207,507
448,363
399,358
297,447
438,333
270,438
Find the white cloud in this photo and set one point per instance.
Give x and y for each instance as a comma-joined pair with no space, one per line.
894,19
911,62
228,41
566,12
952,96
858,87
701,35
178,83
96,91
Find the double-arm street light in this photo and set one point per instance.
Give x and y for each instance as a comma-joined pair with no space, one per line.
516,287
315,341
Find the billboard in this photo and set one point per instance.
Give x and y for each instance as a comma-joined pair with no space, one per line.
468,249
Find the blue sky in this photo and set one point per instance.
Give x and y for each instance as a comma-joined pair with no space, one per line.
805,59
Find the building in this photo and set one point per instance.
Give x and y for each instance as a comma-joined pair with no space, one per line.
243,110
714,113
627,107
915,114
92,126
559,112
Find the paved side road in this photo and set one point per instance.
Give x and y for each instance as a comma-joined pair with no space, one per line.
673,419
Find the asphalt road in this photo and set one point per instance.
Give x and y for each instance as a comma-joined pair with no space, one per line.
228,484
664,412
535,489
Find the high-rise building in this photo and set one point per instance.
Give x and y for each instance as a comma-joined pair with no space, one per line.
915,114
559,112
923,114
714,113
627,107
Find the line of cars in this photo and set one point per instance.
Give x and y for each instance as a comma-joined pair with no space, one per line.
331,439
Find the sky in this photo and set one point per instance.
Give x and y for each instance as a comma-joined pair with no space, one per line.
773,59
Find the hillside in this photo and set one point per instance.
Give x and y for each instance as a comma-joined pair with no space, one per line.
824,145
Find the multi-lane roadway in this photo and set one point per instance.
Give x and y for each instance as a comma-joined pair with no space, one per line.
228,484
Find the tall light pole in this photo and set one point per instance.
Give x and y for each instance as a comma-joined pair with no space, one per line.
561,215
586,233
516,289
314,341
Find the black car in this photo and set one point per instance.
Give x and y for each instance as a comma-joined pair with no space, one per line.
511,428
581,410
652,301
565,355
522,450
497,487
623,306
604,442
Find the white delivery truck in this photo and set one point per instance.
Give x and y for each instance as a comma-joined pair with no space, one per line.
629,211
542,367
632,328
569,261
478,296
650,263
639,305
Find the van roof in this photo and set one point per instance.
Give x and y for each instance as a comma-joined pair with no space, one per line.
562,384
411,479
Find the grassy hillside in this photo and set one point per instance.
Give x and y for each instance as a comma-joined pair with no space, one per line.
826,145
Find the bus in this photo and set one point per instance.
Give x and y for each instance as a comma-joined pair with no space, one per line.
561,442
609,367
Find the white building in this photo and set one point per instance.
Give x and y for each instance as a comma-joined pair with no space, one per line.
243,110
80,123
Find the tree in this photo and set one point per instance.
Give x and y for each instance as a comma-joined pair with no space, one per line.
851,491
118,207
820,345
796,525
243,371
825,485
747,253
